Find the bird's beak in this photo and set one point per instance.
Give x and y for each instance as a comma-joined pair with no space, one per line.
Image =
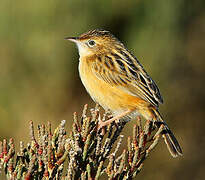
73,39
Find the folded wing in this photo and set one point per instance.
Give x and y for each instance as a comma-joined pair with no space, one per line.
123,70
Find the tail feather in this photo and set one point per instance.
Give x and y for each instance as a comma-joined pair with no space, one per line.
169,138
171,142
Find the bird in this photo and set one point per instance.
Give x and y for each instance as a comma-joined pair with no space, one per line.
115,79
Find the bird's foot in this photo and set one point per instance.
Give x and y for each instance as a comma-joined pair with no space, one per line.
102,124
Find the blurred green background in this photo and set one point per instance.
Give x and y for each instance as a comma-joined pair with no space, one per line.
39,70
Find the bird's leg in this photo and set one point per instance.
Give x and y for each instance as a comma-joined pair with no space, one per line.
116,118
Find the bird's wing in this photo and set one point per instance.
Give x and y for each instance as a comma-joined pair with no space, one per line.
124,71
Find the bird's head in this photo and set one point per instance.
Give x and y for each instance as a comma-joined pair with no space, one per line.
95,42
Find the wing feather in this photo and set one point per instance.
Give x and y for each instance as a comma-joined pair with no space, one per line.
122,69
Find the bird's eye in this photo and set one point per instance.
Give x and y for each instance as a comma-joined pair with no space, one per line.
91,43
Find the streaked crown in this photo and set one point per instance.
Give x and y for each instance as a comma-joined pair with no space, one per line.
98,34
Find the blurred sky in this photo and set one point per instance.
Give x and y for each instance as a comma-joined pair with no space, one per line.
39,70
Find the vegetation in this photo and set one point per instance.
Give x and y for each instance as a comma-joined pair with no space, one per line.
84,153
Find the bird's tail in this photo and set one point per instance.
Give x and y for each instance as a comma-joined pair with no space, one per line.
169,138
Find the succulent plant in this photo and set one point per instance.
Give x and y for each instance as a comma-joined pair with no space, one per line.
84,153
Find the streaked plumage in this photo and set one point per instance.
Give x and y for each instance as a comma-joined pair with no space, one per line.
116,80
